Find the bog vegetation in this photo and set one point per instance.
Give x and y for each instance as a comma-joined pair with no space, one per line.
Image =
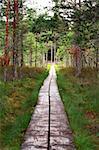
80,97
28,41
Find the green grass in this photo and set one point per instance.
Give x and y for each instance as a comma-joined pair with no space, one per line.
81,101
17,102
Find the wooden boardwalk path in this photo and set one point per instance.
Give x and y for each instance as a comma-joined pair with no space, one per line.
49,127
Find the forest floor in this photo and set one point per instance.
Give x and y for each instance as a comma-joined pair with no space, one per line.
80,98
17,102
81,101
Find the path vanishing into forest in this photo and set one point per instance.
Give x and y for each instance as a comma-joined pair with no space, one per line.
49,127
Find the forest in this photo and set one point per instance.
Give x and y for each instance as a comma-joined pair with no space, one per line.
66,35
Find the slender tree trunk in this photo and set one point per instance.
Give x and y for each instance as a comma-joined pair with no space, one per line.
43,58
6,39
21,36
71,60
97,60
51,52
31,57
46,57
21,57
15,40
54,51
36,54
79,61
65,60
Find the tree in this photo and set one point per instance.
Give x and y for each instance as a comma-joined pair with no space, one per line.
82,18
29,46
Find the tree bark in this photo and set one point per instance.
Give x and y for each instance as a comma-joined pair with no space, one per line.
51,52
31,57
97,60
36,54
79,67
21,51
54,51
6,39
15,40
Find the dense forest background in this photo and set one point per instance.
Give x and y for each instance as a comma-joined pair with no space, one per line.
26,37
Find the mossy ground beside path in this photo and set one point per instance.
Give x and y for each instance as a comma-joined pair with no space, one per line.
81,101
17,102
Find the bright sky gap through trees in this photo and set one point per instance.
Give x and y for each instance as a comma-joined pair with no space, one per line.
39,5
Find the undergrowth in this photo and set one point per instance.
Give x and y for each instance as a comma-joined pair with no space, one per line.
81,102
17,102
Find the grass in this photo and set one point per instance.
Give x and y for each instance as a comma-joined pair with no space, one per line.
81,102
17,102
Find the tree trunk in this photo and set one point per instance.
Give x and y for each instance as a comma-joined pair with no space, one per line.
79,61
54,51
43,58
97,60
36,54
6,39
46,57
31,57
15,40
21,51
51,52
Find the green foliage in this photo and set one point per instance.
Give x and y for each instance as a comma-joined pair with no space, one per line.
2,37
64,44
17,102
79,97
29,41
